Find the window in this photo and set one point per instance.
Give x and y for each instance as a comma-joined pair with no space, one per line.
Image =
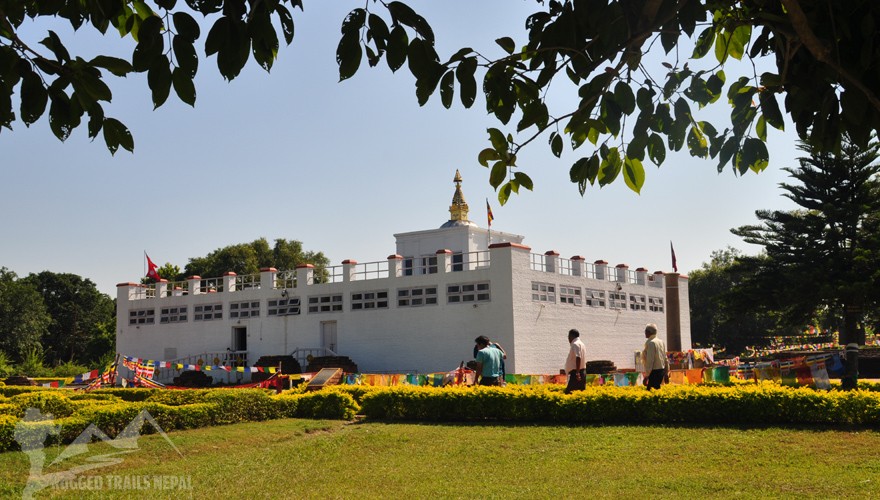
595,298
655,304
247,309
208,312
408,266
369,300
543,292
467,292
457,262
172,314
429,264
142,317
570,295
283,307
617,300
637,302
414,297
325,303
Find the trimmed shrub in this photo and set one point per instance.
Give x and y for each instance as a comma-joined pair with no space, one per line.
241,405
47,402
326,404
178,397
356,391
765,403
134,395
7,432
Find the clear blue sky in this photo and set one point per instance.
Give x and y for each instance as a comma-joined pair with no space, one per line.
339,166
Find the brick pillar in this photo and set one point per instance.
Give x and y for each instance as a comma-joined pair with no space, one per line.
673,313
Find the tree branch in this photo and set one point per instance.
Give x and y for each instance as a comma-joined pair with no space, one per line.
822,53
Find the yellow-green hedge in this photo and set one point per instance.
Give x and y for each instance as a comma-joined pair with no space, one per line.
765,403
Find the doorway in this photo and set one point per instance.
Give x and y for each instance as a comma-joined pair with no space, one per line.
328,335
239,338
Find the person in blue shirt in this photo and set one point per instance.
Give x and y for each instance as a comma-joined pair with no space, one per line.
489,362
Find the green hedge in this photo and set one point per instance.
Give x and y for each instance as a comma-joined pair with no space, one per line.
765,403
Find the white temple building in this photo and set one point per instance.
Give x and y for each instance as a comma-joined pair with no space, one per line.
418,311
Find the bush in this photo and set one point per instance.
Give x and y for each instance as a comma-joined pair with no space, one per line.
177,398
241,405
48,402
181,417
325,404
134,395
7,433
6,368
69,369
765,403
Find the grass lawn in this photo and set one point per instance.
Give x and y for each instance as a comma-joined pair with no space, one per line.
330,459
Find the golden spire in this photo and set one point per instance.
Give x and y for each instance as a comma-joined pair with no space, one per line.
458,211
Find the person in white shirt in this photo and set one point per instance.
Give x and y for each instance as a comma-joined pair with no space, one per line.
576,363
654,358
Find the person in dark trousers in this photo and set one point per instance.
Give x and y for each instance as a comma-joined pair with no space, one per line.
489,359
576,363
654,358
503,357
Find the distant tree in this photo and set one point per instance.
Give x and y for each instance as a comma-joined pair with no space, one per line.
249,258
23,317
712,323
81,317
824,256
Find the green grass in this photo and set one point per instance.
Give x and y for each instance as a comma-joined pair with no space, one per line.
331,459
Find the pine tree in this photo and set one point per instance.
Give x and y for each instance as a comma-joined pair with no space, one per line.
823,257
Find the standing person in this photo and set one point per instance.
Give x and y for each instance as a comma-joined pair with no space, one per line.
503,357
654,357
576,363
489,359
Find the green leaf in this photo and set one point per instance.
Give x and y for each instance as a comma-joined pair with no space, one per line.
499,142
624,98
119,67
185,55
754,156
53,43
523,180
761,128
504,193
697,143
402,13
348,55
398,45
183,86
488,155
465,75
187,27
116,134
738,41
610,167
770,109
722,40
96,120
447,89
378,29
634,174
498,173
656,149
354,21
151,44
728,150
159,79
704,43
556,144
645,99
34,98
60,116
286,20
507,44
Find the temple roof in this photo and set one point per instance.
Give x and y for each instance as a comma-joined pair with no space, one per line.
458,211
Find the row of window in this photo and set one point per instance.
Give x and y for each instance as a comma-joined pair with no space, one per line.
360,301
577,296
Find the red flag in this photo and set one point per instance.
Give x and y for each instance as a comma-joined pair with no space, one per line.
152,269
489,213
674,262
